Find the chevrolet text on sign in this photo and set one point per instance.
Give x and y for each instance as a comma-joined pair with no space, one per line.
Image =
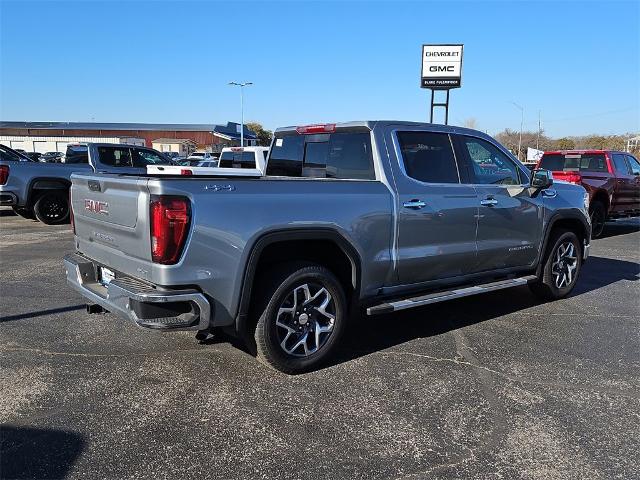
441,66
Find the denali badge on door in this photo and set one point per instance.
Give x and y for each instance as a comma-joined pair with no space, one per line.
96,206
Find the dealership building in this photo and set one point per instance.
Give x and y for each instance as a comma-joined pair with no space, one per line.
55,136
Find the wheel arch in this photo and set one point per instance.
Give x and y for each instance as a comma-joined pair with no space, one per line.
45,183
569,221
603,197
285,241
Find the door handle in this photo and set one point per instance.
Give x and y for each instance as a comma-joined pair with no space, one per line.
489,202
414,204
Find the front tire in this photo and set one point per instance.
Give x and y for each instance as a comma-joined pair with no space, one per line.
598,218
52,208
562,264
303,318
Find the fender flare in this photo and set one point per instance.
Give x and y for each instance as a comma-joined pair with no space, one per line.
45,183
270,238
555,218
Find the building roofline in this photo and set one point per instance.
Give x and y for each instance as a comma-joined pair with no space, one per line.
185,127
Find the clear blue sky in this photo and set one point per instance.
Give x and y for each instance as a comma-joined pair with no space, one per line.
164,61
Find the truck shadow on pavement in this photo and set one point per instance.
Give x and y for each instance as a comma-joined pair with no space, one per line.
370,334
37,452
40,313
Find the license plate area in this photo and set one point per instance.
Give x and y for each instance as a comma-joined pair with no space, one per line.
105,276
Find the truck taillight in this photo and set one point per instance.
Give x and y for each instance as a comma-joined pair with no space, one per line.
573,178
319,128
4,174
170,218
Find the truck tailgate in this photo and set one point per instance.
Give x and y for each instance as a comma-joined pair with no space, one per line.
110,217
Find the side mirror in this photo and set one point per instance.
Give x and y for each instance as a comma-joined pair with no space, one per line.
541,179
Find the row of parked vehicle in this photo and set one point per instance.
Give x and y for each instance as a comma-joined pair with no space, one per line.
39,190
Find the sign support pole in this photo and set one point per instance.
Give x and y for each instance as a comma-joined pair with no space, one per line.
441,70
445,105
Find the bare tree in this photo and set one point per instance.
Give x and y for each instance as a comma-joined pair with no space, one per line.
471,122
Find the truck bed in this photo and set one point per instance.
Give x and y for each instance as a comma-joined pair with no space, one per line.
227,216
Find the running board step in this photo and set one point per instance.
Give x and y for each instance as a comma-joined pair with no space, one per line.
447,295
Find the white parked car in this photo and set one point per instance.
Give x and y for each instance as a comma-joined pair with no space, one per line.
234,162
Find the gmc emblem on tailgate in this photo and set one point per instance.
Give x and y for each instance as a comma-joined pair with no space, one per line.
96,207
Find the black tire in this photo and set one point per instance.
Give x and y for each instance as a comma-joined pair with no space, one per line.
52,208
24,213
598,214
547,287
286,291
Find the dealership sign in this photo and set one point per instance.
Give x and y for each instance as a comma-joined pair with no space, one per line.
441,66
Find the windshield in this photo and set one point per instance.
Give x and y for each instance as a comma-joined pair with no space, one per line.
11,155
573,162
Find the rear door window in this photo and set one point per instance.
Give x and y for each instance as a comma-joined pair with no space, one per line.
115,156
621,165
428,157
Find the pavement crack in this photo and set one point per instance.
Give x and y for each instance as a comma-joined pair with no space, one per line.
517,378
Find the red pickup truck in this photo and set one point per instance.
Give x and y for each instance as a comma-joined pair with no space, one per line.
612,179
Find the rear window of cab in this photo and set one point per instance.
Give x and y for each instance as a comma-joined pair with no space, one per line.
334,155
237,160
590,162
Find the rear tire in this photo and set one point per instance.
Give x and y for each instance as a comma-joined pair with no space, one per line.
303,312
52,208
598,218
24,213
562,264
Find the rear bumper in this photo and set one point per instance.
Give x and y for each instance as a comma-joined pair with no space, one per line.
148,306
8,199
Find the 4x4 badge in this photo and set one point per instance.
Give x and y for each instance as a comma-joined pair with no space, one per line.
218,188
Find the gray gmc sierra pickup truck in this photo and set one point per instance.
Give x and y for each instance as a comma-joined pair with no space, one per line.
372,217
41,190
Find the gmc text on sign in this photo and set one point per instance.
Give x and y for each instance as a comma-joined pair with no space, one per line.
441,66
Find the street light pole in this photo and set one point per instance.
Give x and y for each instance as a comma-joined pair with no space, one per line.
521,125
241,85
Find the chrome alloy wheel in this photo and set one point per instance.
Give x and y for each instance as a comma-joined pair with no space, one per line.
564,265
305,320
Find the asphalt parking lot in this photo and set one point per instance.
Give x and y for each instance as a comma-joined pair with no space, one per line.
496,386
